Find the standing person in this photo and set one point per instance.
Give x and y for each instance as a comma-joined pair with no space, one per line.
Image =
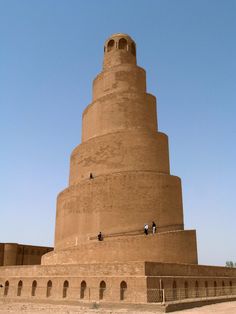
154,227
146,229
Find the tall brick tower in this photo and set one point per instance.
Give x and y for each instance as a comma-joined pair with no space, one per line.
119,181
120,177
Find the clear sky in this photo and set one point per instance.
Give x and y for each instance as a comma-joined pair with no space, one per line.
50,51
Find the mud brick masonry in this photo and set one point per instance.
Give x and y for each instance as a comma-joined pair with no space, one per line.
119,179
21,254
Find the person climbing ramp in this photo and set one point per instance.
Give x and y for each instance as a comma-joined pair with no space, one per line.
100,236
154,227
146,229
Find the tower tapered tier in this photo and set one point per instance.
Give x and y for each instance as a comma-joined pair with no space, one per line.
120,177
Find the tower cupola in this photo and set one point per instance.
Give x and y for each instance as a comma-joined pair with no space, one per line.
119,49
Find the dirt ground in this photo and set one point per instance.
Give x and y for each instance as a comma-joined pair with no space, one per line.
27,308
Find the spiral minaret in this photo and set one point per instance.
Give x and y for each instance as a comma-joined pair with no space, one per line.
120,175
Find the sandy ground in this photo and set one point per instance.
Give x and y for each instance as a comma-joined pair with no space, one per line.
27,308
221,308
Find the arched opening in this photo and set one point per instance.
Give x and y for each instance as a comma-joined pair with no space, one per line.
49,289
206,288
174,287
122,44
133,49
110,45
223,287
230,287
6,288
19,288
123,290
83,287
102,289
186,289
65,288
196,289
33,289
215,288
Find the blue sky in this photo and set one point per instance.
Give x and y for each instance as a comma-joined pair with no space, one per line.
49,54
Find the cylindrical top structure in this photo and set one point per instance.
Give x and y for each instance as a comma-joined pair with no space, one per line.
120,101
119,49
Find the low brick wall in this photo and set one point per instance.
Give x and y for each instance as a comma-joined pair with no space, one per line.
177,306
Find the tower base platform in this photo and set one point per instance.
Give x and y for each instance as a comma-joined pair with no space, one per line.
132,282
173,246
